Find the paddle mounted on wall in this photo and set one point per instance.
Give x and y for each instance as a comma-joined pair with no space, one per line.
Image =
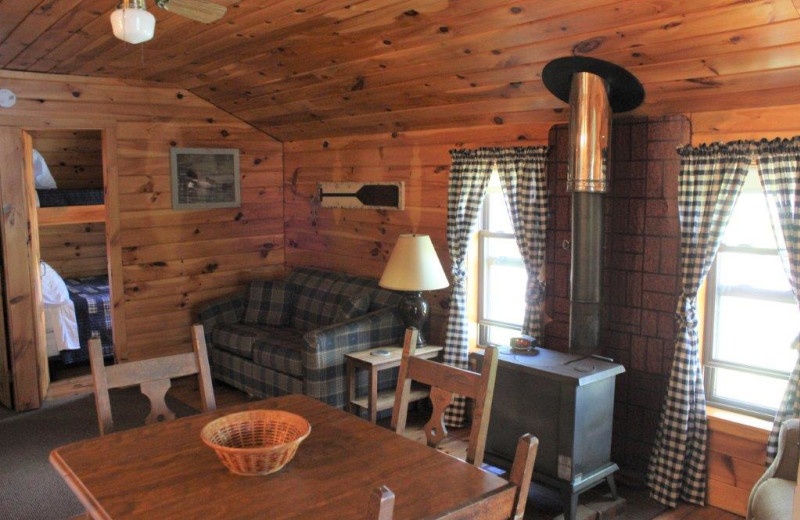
361,195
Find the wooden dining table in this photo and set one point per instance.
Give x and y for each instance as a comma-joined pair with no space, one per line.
165,471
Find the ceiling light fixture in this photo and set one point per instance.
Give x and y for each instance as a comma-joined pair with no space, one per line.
132,23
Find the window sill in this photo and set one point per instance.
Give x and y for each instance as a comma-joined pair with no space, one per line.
737,424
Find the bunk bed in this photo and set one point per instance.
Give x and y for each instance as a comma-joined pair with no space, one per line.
60,206
70,206
77,308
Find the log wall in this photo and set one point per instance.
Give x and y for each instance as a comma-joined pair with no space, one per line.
75,249
359,241
74,157
170,261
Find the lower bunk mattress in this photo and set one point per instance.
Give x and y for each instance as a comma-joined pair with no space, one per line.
92,299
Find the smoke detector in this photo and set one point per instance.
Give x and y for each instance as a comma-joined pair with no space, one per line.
7,98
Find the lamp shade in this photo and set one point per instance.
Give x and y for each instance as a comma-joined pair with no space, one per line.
132,23
413,266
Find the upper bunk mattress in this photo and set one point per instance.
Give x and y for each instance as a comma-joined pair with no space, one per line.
58,198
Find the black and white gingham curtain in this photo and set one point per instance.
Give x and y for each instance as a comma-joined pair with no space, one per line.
779,170
522,173
710,180
469,175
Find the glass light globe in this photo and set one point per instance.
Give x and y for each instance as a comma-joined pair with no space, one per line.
133,25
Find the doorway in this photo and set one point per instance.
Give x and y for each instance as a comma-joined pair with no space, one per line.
73,267
79,239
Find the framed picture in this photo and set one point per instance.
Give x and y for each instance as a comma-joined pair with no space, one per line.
205,178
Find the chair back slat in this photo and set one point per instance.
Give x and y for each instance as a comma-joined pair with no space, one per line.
457,380
155,369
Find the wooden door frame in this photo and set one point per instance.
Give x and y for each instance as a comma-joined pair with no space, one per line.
28,349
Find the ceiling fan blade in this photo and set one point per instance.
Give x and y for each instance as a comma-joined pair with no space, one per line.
199,10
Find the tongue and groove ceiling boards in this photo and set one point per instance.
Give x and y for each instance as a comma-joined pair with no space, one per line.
300,69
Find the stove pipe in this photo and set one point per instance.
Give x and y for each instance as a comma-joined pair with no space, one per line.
589,136
593,88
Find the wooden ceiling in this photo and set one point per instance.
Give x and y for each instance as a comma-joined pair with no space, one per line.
300,69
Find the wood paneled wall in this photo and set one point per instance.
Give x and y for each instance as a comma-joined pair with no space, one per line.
170,260
74,157
75,249
756,124
360,241
736,455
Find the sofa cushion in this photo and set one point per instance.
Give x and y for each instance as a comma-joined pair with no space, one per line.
281,351
316,301
313,292
351,306
239,338
254,379
268,303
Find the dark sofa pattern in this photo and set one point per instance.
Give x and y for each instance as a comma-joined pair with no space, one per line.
290,336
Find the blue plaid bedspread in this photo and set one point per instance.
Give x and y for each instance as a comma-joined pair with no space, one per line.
85,197
92,300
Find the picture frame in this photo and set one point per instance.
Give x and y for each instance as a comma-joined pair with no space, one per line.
205,178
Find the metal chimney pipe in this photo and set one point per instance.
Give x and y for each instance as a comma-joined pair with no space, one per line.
593,88
589,137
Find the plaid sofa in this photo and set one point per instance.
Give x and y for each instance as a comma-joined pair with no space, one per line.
290,336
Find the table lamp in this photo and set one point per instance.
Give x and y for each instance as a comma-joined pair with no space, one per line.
413,267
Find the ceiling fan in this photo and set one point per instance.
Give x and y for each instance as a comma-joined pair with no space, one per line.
132,23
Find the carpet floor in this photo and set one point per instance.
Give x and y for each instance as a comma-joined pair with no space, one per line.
30,488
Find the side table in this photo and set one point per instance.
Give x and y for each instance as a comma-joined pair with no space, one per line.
390,357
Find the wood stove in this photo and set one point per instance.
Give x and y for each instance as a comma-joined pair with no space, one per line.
567,401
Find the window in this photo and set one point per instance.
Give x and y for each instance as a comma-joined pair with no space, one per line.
751,314
501,274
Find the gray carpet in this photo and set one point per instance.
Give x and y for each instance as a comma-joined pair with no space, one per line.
30,489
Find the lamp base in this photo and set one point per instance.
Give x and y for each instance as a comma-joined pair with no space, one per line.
413,309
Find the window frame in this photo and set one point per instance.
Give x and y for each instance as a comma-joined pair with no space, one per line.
483,264
710,320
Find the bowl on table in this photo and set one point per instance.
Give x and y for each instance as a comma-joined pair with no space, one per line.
522,343
256,442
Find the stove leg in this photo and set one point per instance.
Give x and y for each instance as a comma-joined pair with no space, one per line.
612,485
570,501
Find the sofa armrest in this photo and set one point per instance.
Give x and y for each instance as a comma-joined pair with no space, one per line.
225,310
324,350
784,466
786,459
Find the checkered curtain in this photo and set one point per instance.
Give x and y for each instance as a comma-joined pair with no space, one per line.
779,170
710,180
522,174
469,175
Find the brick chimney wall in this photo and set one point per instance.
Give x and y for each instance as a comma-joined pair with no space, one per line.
641,274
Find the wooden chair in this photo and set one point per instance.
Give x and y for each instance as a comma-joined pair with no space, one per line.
445,382
153,377
381,504
381,500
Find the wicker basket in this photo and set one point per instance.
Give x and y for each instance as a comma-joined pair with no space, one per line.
257,442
